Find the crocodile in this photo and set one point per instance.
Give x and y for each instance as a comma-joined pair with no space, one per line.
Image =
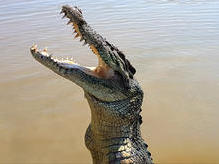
113,94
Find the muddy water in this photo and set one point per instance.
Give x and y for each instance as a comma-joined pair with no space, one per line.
174,46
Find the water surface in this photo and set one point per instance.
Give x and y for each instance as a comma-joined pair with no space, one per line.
174,46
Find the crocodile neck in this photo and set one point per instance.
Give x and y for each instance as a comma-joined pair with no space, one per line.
116,138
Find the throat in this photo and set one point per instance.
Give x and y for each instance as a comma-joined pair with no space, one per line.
104,72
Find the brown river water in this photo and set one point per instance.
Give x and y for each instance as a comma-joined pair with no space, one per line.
174,46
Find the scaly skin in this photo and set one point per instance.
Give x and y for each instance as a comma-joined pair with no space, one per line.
114,96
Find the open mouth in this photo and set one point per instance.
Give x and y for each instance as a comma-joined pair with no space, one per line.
102,70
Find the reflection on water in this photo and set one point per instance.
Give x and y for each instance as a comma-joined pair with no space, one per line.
172,44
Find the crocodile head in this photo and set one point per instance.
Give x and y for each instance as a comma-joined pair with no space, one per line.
111,80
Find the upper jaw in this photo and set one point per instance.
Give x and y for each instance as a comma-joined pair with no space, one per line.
95,41
109,56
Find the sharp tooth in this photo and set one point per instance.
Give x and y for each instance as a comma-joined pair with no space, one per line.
34,47
45,49
77,35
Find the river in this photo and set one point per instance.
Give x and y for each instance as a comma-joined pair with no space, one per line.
174,46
